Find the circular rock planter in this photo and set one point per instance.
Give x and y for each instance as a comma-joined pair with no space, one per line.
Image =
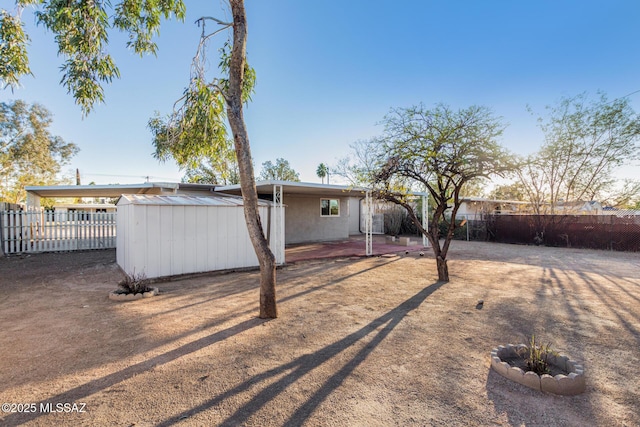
567,379
118,296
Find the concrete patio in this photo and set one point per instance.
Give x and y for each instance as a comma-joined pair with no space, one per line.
352,247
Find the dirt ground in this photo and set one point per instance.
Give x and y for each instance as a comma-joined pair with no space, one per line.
359,342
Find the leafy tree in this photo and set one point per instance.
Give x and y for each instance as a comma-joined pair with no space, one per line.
624,195
207,163
281,171
513,191
215,170
29,153
474,188
440,150
584,142
322,172
81,30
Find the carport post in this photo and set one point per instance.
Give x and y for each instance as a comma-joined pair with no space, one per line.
368,223
278,249
425,219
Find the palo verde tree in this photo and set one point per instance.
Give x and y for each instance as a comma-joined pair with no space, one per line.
281,171
440,150
29,153
81,30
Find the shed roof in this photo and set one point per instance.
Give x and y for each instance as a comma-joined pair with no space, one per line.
184,200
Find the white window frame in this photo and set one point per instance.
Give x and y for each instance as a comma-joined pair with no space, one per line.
330,214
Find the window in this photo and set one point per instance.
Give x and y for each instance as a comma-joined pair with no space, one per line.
329,207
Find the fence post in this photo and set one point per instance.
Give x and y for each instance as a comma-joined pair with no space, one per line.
2,213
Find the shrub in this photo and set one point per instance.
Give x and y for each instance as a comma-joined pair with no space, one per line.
134,284
536,356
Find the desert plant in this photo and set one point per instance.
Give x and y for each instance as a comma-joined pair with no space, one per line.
393,221
134,284
536,356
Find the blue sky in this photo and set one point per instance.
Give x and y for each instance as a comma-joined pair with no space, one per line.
328,71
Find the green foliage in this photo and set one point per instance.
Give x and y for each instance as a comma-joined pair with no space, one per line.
460,231
141,19
281,171
221,168
14,61
441,150
195,134
195,131
81,30
249,74
438,150
322,171
537,355
29,153
514,191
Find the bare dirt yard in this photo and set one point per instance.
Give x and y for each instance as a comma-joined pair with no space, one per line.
359,342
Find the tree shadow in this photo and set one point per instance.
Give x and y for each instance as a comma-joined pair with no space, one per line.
76,394
91,387
305,364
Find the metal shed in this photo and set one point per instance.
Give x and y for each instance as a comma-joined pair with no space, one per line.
170,235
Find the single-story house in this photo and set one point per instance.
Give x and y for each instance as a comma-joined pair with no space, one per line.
475,208
314,213
579,208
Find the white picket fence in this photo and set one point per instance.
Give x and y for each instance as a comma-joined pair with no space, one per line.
23,232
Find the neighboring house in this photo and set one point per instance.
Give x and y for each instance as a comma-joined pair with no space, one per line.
579,208
86,210
476,208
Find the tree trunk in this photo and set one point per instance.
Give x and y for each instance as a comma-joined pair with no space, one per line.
443,269
268,308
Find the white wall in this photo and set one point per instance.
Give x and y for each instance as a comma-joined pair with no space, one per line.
169,240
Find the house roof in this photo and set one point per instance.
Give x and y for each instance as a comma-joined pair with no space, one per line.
303,188
225,200
263,187
290,187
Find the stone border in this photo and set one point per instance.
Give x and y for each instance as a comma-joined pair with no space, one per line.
566,385
115,296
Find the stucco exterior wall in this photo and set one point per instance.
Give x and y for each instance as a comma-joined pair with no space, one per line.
305,224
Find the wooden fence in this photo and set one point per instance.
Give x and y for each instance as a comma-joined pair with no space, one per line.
27,232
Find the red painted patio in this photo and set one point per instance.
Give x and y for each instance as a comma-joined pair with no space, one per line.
353,247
